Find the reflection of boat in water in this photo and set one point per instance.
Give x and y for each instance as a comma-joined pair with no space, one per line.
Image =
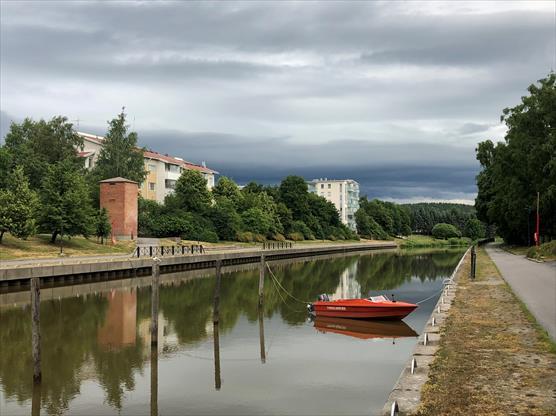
362,329
375,307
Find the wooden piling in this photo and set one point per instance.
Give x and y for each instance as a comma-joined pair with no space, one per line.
216,304
261,280
36,400
36,328
154,380
154,302
261,335
216,338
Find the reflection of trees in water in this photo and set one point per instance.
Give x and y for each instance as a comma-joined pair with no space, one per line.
70,326
384,273
68,329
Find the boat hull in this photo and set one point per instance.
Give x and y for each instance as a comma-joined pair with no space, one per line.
363,309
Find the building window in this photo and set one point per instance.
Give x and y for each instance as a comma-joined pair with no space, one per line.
152,168
170,183
151,186
172,168
322,186
329,186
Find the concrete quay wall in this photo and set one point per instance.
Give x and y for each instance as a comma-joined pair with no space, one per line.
137,267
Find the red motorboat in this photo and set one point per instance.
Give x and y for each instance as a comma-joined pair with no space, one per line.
375,307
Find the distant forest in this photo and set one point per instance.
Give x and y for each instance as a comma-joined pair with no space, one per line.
425,215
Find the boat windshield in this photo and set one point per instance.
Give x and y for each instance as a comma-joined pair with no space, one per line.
380,298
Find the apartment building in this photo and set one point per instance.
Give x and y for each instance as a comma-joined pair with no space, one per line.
162,170
343,193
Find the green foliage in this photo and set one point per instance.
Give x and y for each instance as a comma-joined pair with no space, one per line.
103,226
18,204
296,236
425,215
226,220
474,229
302,228
35,145
66,206
257,221
245,236
119,155
514,171
294,194
445,231
192,193
226,188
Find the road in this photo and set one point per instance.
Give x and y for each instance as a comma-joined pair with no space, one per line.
534,283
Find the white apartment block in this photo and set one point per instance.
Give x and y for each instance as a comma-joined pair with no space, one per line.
162,170
343,193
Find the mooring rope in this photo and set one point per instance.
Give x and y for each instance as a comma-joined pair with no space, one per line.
283,288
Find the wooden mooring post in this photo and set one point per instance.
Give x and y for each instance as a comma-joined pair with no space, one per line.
216,339
154,302
216,302
261,280
154,380
36,400
261,334
36,328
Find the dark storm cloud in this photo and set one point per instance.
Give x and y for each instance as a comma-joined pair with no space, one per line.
264,89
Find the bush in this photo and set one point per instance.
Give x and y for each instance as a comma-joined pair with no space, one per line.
259,238
278,237
544,250
474,229
459,241
245,236
445,231
295,236
302,228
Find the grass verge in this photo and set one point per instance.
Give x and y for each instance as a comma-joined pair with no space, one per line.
418,241
494,359
40,246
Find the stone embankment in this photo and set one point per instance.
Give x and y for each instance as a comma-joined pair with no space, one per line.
110,268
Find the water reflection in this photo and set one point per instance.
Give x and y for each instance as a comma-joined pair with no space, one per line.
364,329
104,338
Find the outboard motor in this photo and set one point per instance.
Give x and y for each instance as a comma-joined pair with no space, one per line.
324,298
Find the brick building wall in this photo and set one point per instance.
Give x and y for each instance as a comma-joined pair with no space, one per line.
119,197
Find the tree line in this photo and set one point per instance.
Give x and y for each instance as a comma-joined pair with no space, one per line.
253,213
521,167
44,186
383,220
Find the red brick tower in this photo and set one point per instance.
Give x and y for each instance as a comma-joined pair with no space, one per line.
119,197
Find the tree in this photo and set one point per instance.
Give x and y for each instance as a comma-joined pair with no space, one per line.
119,155
514,171
258,221
66,205
18,204
225,218
294,193
36,145
227,188
192,193
103,227
474,229
445,231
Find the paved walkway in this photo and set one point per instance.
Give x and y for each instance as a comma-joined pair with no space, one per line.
534,283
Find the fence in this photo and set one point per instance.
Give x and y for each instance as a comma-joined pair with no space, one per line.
161,251
271,245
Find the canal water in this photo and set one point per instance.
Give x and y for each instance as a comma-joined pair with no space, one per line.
97,358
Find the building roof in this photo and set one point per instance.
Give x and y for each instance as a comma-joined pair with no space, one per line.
117,180
331,180
149,154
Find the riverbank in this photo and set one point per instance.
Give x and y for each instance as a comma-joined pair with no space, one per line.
426,241
116,267
545,252
493,359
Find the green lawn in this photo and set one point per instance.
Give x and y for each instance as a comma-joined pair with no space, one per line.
415,240
40,247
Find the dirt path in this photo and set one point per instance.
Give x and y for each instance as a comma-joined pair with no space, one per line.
492,360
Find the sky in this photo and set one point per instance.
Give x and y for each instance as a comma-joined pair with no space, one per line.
395,95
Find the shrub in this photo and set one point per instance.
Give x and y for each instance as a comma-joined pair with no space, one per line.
445,231
259,238
295,236
278,237
302,228
245,236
